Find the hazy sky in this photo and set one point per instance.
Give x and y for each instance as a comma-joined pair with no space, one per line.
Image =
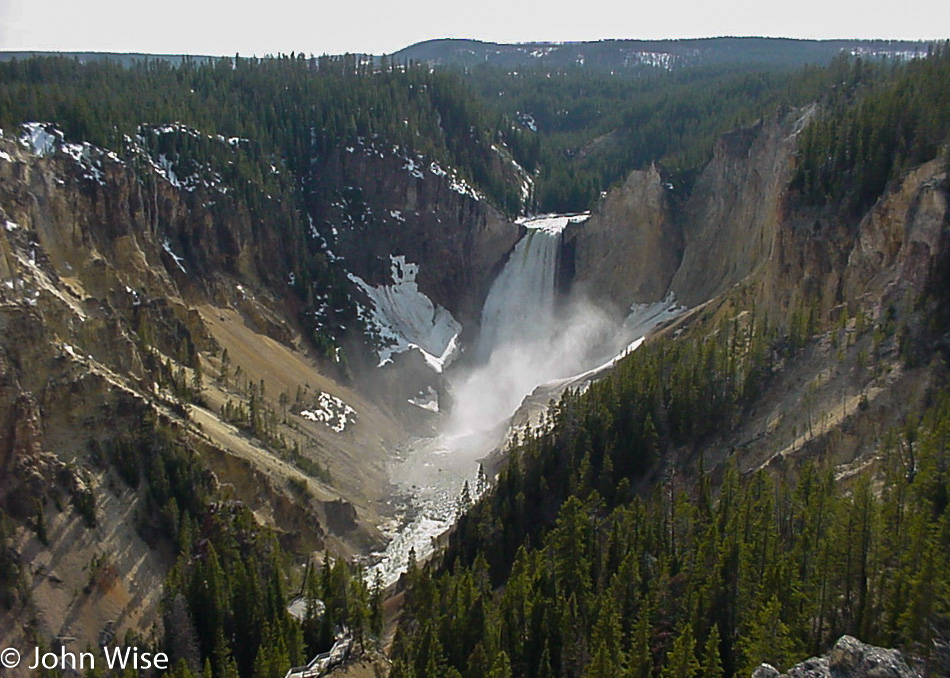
377,26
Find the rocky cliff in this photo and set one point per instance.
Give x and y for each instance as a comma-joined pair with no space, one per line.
866,289
136,298
631,247
742,222
730,218
643,242
372,202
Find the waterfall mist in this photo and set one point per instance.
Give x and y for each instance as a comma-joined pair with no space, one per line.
526,339
562,345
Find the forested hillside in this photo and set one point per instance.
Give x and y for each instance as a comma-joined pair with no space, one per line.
595,126
295,108
874,129
591,128
599,578
264,130
580,131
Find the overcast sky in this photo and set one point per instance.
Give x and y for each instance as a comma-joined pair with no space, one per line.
377,26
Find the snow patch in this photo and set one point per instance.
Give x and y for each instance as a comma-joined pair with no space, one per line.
553,223
427,400
40,138
527,121
462,187
406,319
456,183
644,317
540,52
71,352
663,60
88,158
898,54
44,140
639,323
413,169
185,175
331,411
166,245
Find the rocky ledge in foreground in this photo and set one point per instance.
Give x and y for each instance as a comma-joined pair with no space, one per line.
849,658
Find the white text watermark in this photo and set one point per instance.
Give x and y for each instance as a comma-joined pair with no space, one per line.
64,660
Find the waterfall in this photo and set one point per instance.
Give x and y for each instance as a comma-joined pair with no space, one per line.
523,340
520,303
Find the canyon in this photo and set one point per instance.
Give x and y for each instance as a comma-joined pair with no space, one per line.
134,296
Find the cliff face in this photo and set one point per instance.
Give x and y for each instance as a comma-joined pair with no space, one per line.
132,296
630,248
900,241
868,291
887,258
742,222
128,295
730,218
372,202
641,243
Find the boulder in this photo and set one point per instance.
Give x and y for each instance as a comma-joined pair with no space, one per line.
849,658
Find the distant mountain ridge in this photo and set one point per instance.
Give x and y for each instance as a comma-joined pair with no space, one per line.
597,55
638,54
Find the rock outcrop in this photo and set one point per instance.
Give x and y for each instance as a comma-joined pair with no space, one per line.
888,257
900,238
132,293
849,658
731,216
743,222
121,287
630,248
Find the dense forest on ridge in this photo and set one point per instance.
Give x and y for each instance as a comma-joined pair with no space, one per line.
579,132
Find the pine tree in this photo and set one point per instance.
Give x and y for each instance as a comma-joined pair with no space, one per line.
712,663
376,605
681,660
766,639
501,668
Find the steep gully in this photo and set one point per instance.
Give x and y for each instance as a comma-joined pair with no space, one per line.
532,336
